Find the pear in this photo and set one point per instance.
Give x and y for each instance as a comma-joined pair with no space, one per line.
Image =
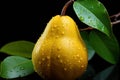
60,52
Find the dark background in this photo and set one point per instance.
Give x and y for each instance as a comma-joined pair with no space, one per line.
26,20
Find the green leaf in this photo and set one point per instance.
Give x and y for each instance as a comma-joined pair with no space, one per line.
104,74
91,51
18,48
15,66
107,48
94,14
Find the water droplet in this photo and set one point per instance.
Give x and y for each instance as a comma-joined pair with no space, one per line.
52,29
65,69
99,3
20,75
24,73
81,18
61,61
43,59
63,25
54,26
91,21
58,56
63,33
67,61
77,55
21,68
92,7
39,62
82,66
103,28
89,17
84,48
81,59
70,67
48,57
57,36
105,10
58,48
42,53
48,65
79,48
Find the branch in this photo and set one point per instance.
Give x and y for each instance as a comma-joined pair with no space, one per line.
66,6
115,22
88,28
115,18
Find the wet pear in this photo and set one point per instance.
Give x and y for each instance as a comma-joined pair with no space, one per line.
60,52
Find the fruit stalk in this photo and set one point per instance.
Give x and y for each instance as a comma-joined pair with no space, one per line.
66,6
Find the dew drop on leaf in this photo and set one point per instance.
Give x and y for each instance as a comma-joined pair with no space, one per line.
81,18
89,17
21,68
99,3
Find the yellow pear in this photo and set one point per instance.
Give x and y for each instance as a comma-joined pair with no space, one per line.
60,52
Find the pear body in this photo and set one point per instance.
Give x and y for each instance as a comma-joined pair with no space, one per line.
60,52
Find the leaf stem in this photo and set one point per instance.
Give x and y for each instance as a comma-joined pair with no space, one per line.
115,17
66,6
88,28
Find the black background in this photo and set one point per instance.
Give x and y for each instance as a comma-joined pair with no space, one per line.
26,20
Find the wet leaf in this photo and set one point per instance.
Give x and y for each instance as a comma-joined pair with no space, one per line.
94,14
18,48
15,66
107,48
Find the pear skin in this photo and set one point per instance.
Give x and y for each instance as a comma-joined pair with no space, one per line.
60,52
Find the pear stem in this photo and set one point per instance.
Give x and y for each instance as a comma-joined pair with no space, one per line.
66,6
